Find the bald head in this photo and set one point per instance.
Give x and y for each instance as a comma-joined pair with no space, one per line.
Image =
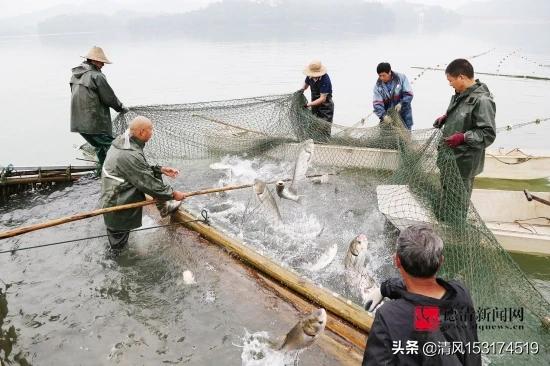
141,128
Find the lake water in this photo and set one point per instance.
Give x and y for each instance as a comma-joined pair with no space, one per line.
35,95
135,310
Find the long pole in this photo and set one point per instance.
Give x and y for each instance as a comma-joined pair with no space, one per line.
101,211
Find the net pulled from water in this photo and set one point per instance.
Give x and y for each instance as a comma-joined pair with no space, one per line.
384,179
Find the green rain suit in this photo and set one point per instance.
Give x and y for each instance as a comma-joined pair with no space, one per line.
471,112
91,98
126,178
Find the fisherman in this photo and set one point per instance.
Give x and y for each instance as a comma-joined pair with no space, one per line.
127,177
468,126
91,98
392,90
321,103
423,308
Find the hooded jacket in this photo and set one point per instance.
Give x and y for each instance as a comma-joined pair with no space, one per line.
388,95
473,113
126,178
91,98
397,323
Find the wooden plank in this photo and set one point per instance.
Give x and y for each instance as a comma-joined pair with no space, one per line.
332,302
344,330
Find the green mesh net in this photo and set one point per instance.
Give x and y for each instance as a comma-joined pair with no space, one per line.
406,176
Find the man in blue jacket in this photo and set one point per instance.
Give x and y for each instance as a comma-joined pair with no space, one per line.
392,90
424,309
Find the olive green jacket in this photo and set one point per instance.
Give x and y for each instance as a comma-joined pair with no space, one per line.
126,178
473,113
91,97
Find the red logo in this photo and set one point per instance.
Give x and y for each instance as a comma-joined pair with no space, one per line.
426,318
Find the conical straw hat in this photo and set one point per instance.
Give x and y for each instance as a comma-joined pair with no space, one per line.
97,54
315,69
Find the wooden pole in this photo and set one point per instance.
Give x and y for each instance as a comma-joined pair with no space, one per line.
332,302
531,197
101,211
228,124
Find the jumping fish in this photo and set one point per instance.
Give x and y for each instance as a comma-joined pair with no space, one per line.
287,193
263,194
169,207
305,157
324,260
305,332
356,252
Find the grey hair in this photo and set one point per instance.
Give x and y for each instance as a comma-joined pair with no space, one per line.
420,250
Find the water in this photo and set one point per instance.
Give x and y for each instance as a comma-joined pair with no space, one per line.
36,96
137,309
73,304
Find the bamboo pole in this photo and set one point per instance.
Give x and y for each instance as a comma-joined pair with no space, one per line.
228,124
488,73
101,211
332,302
43,179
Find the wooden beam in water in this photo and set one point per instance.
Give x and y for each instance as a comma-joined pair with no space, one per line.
332,302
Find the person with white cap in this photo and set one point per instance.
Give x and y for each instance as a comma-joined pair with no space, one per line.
321,103
91,98
127,177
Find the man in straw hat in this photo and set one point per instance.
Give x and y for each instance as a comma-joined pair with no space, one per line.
321,95
127,177
91,98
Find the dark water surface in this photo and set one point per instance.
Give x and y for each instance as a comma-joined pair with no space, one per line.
73,305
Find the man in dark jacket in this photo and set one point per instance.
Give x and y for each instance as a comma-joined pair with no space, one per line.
127,177
321,103
392,90
469,124
429,321
91,98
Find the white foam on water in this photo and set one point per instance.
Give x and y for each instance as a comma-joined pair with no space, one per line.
257,351
326,258
188,277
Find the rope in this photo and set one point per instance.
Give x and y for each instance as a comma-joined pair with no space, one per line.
205,219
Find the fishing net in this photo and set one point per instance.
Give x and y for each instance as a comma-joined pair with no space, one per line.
380,180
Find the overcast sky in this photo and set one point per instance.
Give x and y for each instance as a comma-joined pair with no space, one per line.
10,8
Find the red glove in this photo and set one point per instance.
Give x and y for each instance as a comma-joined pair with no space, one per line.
440,121
455,139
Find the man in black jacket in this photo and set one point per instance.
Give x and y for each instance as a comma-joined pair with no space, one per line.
429,321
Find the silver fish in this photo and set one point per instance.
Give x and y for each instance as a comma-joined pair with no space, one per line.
356,252
305,332
287,193
304,159
169,207
263,194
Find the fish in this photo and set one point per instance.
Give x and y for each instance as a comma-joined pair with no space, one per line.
264,196
304,159
324,260
169,207
365,283
287,193
357,250
220,207
305,332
